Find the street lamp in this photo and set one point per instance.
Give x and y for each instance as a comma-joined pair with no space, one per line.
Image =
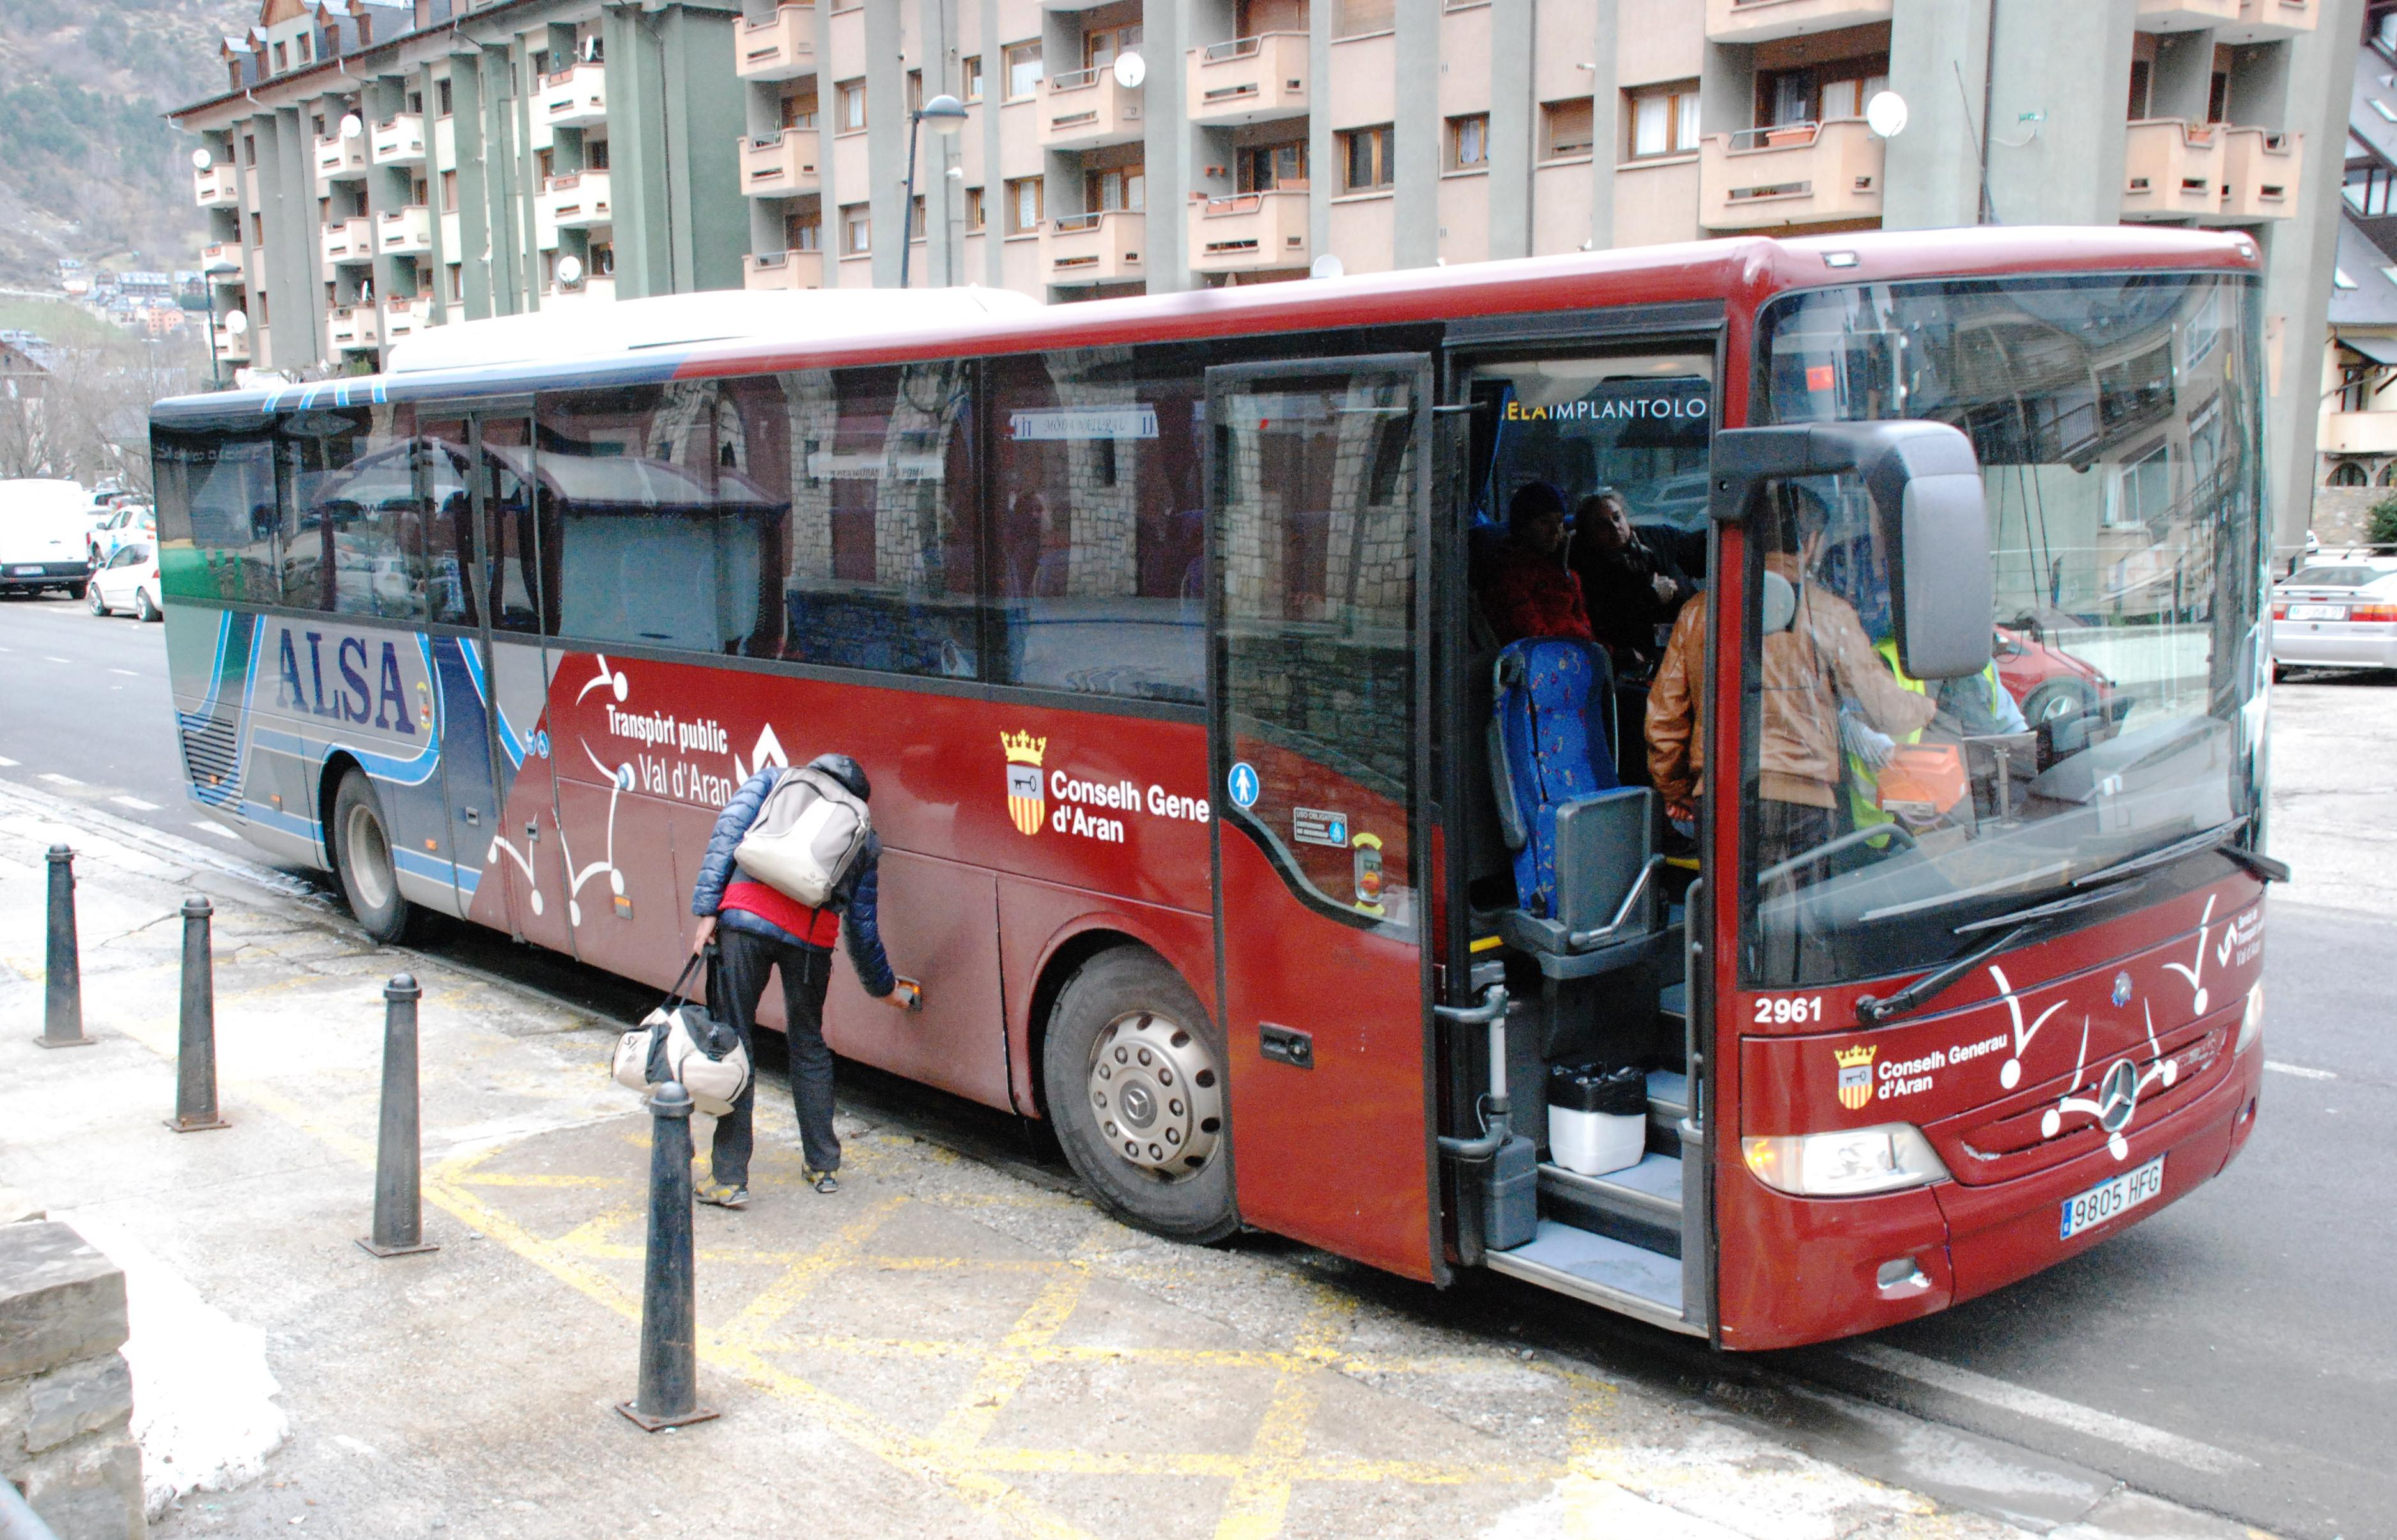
947,115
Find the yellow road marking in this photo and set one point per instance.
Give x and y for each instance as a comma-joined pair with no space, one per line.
1260,1495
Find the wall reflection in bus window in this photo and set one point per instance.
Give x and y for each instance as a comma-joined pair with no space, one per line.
217,518
353,513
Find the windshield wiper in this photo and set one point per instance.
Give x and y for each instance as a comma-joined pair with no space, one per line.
2020,926
2179,850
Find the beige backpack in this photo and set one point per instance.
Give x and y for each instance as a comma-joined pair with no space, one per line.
809,834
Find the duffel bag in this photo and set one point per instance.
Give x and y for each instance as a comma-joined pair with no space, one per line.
681,1042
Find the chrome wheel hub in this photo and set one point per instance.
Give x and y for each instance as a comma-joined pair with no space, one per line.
370,858
1157,1094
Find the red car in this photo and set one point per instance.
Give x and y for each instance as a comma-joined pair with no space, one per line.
2045,682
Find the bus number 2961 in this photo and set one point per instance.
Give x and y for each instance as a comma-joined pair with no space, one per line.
1787,1009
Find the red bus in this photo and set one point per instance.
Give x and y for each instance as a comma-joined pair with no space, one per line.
1226,828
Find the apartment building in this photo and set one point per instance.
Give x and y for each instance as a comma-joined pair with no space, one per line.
379,165
2356,440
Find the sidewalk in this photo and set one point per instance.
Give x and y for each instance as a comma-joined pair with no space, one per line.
944,1347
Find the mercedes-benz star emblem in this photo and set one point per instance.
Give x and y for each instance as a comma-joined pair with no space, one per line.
2118,1097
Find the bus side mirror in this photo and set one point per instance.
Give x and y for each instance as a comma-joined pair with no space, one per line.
1925,483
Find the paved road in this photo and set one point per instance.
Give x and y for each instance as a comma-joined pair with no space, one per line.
2235,1352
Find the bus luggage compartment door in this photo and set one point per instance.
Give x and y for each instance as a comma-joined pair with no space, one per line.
1317,498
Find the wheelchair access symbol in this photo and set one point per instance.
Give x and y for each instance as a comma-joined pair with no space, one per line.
1243,785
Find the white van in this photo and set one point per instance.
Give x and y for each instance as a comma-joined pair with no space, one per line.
43,526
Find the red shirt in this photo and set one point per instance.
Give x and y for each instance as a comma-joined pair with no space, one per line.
1528,596
816,927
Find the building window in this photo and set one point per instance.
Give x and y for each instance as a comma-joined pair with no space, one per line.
449,192
416,104
1102,45
856,230
1819,93
969,78
803,232
249,149
2348,473
1363,18
257,228
441,96
1665,120
1116,189
457,282
916,220
603,260
1024,206
975,215
799,109
1468,143
1568,128
595,155
1365,160
851,97
1022,71
281,62
307,47
1265,167
1253,17
915,91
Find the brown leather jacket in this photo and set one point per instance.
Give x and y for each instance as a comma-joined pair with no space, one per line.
1822,659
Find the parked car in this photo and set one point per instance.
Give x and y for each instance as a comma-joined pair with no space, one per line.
2336,613
127,521
128,582
42,535
2047,682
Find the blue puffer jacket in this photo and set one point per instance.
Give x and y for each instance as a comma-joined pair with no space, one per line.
853,898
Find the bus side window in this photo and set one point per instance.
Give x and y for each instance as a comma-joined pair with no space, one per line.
217,518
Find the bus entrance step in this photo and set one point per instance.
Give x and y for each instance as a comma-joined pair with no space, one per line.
1641,1205
1669,1102
1598,1268
1673,1002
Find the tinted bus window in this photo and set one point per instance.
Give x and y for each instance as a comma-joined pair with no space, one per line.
217,518
360,493
1638,424
1102,522
872,475
655,545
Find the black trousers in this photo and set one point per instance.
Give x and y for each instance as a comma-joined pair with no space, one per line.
745,960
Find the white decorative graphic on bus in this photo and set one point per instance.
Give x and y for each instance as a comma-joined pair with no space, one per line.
2114,1098
2010,1073
2195,975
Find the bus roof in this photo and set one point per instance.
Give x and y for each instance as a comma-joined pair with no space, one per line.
700,336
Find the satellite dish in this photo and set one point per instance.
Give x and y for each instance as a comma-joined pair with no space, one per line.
1885,115
1130,70
570,270
352,125
237,321
1326,266
201,159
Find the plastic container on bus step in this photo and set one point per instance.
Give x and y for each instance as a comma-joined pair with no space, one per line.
1597,1117
1510,1195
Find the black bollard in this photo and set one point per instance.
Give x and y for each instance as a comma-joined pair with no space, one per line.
669,1388
62,993
196,1059
398,1212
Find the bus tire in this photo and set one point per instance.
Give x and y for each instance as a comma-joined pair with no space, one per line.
360,842
1134,1074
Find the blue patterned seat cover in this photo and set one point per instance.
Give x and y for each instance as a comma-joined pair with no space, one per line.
1555,712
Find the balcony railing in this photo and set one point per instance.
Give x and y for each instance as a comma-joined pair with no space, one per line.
779,165
2172,169
406,316
780,47
1796,173
577,200
349,240
1087,110
1247,79
341,159
355,326
783,270
405,231
1097,249
221,257
1765,20
2259,174
597,288
399,140
575,96
1251,233
2231,20
217,187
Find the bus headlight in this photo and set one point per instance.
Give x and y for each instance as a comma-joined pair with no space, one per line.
2251,1022
1845,1164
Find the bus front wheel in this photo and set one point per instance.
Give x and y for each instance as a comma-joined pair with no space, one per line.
1135,1077
361,844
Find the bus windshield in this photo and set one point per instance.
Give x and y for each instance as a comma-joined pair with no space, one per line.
2115,420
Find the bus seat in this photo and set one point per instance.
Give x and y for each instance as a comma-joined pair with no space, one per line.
1585,846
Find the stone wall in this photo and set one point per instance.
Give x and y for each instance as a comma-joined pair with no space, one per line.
66,1395
2341,513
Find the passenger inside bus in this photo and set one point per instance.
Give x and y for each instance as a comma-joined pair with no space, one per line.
1524,587
1631,587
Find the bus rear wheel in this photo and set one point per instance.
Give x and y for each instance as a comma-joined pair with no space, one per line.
1135,1077
360,840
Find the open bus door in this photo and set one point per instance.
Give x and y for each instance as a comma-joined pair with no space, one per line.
1319,495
